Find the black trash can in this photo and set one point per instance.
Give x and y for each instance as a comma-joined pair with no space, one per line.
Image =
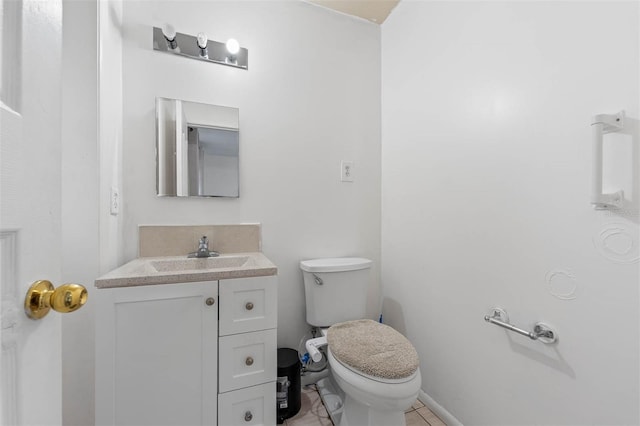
288,384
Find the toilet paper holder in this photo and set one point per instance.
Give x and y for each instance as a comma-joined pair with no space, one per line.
541,331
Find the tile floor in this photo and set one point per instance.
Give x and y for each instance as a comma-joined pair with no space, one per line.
313,413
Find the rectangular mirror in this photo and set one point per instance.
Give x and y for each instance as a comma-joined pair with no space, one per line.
197,149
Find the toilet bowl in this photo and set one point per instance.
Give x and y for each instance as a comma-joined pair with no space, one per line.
375,366
373,401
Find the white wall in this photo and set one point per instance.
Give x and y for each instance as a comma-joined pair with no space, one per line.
91,166
310,98
80,203
486,110
110,103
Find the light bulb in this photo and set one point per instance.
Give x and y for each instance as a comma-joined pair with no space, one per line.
202,40
233,46
169,32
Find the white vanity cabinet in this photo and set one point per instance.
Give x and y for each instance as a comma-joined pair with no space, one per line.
197,353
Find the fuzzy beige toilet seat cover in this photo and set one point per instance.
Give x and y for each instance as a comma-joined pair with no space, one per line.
373,348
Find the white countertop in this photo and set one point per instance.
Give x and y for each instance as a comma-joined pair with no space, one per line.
160,270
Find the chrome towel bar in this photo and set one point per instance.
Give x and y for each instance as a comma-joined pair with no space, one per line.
541,331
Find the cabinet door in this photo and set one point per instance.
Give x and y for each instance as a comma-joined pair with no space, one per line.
253,406
248,304
247,359
156,355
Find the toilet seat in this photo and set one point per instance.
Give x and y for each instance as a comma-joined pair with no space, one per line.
373,350
376,379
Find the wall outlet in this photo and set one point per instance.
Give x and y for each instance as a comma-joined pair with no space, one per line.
346,171
114,201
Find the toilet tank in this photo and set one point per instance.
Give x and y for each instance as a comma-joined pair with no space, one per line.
335,289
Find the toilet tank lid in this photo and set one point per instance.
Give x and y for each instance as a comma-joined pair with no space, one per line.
335,264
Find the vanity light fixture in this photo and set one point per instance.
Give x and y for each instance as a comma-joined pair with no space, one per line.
200,47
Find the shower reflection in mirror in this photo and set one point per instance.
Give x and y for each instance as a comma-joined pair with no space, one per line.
197,149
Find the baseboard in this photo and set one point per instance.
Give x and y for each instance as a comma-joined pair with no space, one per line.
438,410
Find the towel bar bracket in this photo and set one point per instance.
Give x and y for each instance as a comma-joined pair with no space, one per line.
610,122
545,333
614,200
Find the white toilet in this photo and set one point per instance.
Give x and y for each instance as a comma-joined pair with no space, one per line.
374,365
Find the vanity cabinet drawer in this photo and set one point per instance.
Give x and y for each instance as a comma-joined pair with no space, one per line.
247,359
255,405
248,304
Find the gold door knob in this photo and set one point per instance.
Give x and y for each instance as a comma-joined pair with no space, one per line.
42,296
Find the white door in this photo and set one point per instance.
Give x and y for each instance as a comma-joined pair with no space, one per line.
30,150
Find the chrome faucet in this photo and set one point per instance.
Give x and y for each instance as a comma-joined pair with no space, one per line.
203,249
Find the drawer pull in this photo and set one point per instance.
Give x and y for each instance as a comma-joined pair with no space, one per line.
248,361
210,301
248,416
248,306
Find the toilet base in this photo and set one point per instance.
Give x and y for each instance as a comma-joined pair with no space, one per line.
357,414
313,377
332,398
369,402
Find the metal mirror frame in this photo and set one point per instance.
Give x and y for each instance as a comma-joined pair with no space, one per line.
184,131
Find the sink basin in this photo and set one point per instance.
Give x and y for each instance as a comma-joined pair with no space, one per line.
198,264
178,269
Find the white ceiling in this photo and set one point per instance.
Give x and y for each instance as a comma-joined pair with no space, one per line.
371,10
